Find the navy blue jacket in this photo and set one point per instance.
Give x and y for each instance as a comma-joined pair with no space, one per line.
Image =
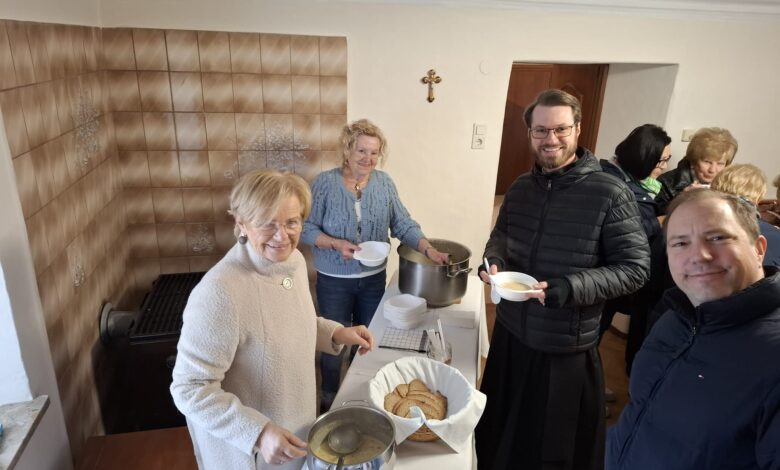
705,387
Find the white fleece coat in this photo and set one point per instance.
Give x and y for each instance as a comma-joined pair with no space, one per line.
246,357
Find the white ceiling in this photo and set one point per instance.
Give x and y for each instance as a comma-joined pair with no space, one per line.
723,9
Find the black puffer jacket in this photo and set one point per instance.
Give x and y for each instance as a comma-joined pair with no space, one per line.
580,224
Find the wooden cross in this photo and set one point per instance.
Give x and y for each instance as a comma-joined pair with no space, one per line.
430,80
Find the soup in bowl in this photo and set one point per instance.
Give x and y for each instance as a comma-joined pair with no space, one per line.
514,286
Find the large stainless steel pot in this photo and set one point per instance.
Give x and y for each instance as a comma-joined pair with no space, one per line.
439,285
376,428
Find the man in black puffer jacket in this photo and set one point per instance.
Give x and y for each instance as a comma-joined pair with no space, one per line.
578,230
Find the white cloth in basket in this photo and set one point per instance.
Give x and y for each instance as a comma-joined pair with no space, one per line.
465,403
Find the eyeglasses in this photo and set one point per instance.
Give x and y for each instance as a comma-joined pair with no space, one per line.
270,229
664,160
543,132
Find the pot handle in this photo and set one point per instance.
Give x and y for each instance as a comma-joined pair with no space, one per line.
362,402
458,272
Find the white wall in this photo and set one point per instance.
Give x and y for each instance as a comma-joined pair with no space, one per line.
727,74
82,12
635,94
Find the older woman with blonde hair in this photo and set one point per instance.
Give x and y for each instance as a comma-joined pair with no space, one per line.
244,375
352,204
749,183
711,150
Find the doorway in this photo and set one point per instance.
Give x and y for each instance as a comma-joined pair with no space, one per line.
585,81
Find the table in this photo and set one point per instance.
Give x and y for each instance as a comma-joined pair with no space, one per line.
469,345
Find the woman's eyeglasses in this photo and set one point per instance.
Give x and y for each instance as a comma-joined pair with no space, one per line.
292,227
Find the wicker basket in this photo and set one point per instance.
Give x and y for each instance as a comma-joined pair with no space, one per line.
423,435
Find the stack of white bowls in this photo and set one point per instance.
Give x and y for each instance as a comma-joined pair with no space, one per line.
405,311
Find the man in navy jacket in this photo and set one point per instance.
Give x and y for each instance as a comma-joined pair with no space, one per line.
705,388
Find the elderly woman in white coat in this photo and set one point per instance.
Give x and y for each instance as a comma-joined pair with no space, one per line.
245,372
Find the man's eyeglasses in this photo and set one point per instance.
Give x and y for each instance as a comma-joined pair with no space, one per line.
543,132
292,227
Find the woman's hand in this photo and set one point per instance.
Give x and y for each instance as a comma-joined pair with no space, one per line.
358,335
437,256
278,445
345,247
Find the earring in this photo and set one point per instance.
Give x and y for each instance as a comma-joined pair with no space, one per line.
242,239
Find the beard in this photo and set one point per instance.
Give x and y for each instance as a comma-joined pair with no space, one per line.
549,161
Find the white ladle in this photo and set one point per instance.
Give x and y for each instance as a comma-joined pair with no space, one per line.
494,297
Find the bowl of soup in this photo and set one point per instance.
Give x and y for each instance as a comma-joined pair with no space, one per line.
514,286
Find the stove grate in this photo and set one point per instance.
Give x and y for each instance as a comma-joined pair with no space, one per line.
161,313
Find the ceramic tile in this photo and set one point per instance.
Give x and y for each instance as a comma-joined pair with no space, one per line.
50,300
39,246
194,168
48,103
13,116
183,51
78,267
333,95
150,52
305,94
200,239
155,89
331,159
167,205
68,207
187,91
143,241
250,131
64,106
79,206
275,53
191,131
278,131
330,131
68,59
333,56
63,281
251,160
91,194
214,51
277,94
221,131
304,55
33,115
53,215
77,62
224,236
306,131
247,93
217,92
159,130
197,205
129,131
59,349
164,169
7,72
20,51
172,239
245,53
43,175
92,49
118,53
139,206
52,37
220,198
174,265
281,160
55,160
72,159
145,271
134,168
202,263
123,92
223,167
26,184
307,164
38,53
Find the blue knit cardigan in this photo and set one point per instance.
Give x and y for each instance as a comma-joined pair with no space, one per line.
333,213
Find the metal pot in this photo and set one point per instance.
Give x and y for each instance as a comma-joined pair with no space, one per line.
376,427
439,285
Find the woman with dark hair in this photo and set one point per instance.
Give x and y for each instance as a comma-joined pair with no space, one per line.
644,153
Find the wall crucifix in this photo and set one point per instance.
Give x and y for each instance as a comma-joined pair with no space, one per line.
430,80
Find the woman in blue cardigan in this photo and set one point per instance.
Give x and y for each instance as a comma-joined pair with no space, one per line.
353,204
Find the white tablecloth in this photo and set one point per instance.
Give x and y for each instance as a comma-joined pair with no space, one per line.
468,345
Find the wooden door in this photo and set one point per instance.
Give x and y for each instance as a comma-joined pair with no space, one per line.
585,81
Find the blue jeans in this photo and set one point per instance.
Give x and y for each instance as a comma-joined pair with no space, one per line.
349,301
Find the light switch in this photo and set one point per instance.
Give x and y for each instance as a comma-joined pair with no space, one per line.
478,136
480,129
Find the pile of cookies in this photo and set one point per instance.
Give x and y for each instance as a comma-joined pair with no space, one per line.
416,393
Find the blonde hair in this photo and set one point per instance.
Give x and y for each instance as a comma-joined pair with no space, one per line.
776,183
712,142
744,180
351,132
258,195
